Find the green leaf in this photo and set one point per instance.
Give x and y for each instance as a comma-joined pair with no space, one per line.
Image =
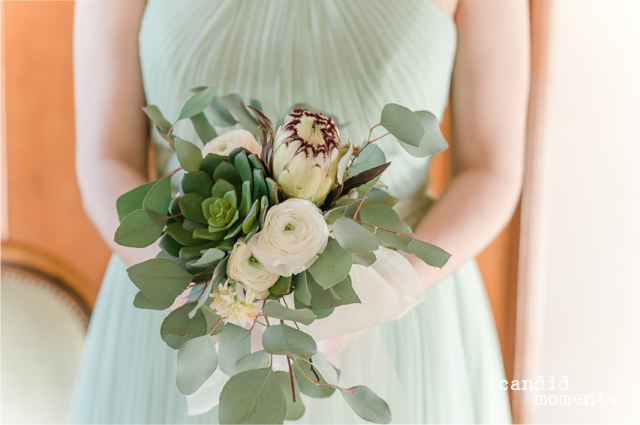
242,165
191,207
197,182
219,276
144,302
211,257
132,200
325,368
252,397
219,114
353,237
169,245
432,142
364,258
154,114
309,388
326,299
430,254
189,155
295,410
215,325
344,162
285,340
197,360
366,404
385,217
210,162
177,328
403,124
235,343
140,229
258,360
282,286
159,196
276,310
160,279
370,157
301,291
332,266
197,103
233,103
377,196
205,131
181,235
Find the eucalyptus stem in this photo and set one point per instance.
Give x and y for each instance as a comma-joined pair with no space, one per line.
311,380
293,388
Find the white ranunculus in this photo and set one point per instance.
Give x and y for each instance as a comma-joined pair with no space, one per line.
293,235
243,267
225,143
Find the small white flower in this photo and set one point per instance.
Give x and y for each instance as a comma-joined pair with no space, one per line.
230,305
225,143
293,235
243,267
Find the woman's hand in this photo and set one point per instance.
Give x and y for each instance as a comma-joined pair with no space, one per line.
488,108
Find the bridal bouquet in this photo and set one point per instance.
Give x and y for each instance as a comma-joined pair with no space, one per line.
263,236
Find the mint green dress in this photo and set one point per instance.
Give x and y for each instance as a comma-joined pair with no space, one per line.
349,58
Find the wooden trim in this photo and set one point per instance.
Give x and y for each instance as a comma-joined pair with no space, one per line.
532,265
27,258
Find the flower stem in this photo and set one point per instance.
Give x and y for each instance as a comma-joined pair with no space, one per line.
293,388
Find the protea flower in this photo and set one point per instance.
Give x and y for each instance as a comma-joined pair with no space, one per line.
306,151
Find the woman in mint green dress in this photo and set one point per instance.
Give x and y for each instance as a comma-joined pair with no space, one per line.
349,58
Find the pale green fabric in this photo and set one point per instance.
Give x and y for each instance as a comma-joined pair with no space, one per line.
348,58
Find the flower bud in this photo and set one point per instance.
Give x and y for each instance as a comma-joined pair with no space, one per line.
306,151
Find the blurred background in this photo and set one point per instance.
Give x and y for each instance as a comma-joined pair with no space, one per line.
562,277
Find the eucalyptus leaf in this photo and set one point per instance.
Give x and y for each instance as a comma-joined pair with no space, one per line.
384,217
211,257
132,200
332,266
154,114
144,302
353,237
432,142
205,131
215,325
140,229
278,311
252,397
258,360
364,258
160,279
159,196
309,388
177,328
366,404
189,155
197,103
301,292
430,254
285,340
370,157
402,123
197,360
295,409
233,103
234,343
325,368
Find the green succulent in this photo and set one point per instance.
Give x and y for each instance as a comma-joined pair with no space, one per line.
227,197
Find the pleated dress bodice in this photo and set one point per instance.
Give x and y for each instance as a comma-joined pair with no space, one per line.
346,57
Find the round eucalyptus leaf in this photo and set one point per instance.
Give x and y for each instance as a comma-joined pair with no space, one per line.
353,237
285,340
177,328
197,360
402,123
332,266
366,404
295,409
140,229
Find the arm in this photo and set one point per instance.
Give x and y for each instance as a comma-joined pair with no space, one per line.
488,104
111,129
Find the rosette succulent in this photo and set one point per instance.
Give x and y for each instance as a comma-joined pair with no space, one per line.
226,198
306,152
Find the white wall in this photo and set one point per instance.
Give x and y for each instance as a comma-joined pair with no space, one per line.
590,317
